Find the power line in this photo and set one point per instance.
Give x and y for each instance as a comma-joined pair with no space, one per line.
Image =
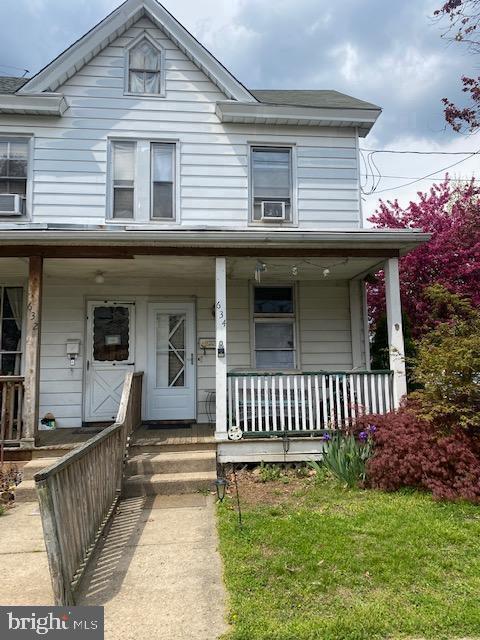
425,153
414,178
428,175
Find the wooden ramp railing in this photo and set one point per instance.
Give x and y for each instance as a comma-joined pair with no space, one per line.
77,494
11,408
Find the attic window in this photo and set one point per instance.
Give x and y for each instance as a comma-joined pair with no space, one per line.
145,69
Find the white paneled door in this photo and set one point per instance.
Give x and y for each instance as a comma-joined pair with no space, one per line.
110,354
170,379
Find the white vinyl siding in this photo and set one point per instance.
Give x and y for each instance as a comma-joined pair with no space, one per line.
71,153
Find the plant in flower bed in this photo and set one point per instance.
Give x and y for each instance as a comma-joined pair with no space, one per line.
345,455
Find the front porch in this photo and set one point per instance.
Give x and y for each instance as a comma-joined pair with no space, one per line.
259,348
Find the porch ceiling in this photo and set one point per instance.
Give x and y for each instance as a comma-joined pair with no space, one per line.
193,268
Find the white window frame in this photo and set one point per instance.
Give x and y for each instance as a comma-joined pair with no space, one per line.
293,222
30,158
161,52
143,182
272,318
174,187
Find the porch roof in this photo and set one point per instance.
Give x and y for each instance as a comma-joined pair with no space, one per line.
17,240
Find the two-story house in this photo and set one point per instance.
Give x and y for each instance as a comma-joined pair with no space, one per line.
156,215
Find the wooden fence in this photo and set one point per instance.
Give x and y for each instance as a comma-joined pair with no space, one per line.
305,403
11,408
78,493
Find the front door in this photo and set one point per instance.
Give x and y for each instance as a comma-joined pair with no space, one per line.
170,380
110,355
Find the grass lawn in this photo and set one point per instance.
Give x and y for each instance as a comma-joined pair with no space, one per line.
319,562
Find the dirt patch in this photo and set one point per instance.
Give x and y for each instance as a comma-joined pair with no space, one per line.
253,491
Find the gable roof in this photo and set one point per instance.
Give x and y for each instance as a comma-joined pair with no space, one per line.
114,25
9,84
321,98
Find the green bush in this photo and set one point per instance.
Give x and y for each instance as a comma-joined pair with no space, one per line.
448,365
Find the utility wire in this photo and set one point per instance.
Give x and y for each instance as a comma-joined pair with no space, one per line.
428,175
426,153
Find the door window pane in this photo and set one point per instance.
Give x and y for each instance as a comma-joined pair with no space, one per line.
171,354
111,334
163,159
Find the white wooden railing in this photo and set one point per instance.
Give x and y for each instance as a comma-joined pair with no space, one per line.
305,402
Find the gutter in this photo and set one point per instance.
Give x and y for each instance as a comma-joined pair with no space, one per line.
44,104
403,239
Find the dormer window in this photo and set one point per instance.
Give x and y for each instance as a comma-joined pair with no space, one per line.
145,60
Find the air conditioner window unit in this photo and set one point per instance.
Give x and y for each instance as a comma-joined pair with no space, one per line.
273,211
11,204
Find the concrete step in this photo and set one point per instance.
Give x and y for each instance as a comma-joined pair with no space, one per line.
169,483
51,452
171,462
34,466
25,492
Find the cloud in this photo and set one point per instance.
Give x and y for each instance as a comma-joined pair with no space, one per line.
389,53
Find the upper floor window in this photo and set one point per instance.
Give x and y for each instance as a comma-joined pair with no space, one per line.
13,175
143,181
145,68
272,184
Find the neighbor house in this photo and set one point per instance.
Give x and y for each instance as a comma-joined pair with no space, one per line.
156,215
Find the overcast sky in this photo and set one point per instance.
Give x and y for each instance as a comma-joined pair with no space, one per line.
386,52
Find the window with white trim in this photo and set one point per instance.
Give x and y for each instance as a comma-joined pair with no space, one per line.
145,69
274,327
163,171
123,179
13,174
271,184
143,181
11,312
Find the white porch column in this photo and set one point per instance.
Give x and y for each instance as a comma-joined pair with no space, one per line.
395,333
221,350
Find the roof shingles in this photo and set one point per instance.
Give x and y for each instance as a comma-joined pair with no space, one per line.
9,84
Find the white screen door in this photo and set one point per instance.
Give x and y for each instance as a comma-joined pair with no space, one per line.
110,355
171,384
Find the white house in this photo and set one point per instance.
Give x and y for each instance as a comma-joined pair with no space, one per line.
158,216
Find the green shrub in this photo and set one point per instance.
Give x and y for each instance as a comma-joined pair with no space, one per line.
448,365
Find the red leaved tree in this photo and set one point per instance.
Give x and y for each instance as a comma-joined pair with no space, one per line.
463,18
451,213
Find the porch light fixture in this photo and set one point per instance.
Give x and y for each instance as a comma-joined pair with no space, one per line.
260,268
221,485
99,277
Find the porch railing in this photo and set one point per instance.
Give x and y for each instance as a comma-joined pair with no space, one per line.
305,403
11,408
79,492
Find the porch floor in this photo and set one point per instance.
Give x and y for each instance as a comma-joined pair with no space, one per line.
145,436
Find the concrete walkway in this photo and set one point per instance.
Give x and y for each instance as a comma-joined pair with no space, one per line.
23,559
158,572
